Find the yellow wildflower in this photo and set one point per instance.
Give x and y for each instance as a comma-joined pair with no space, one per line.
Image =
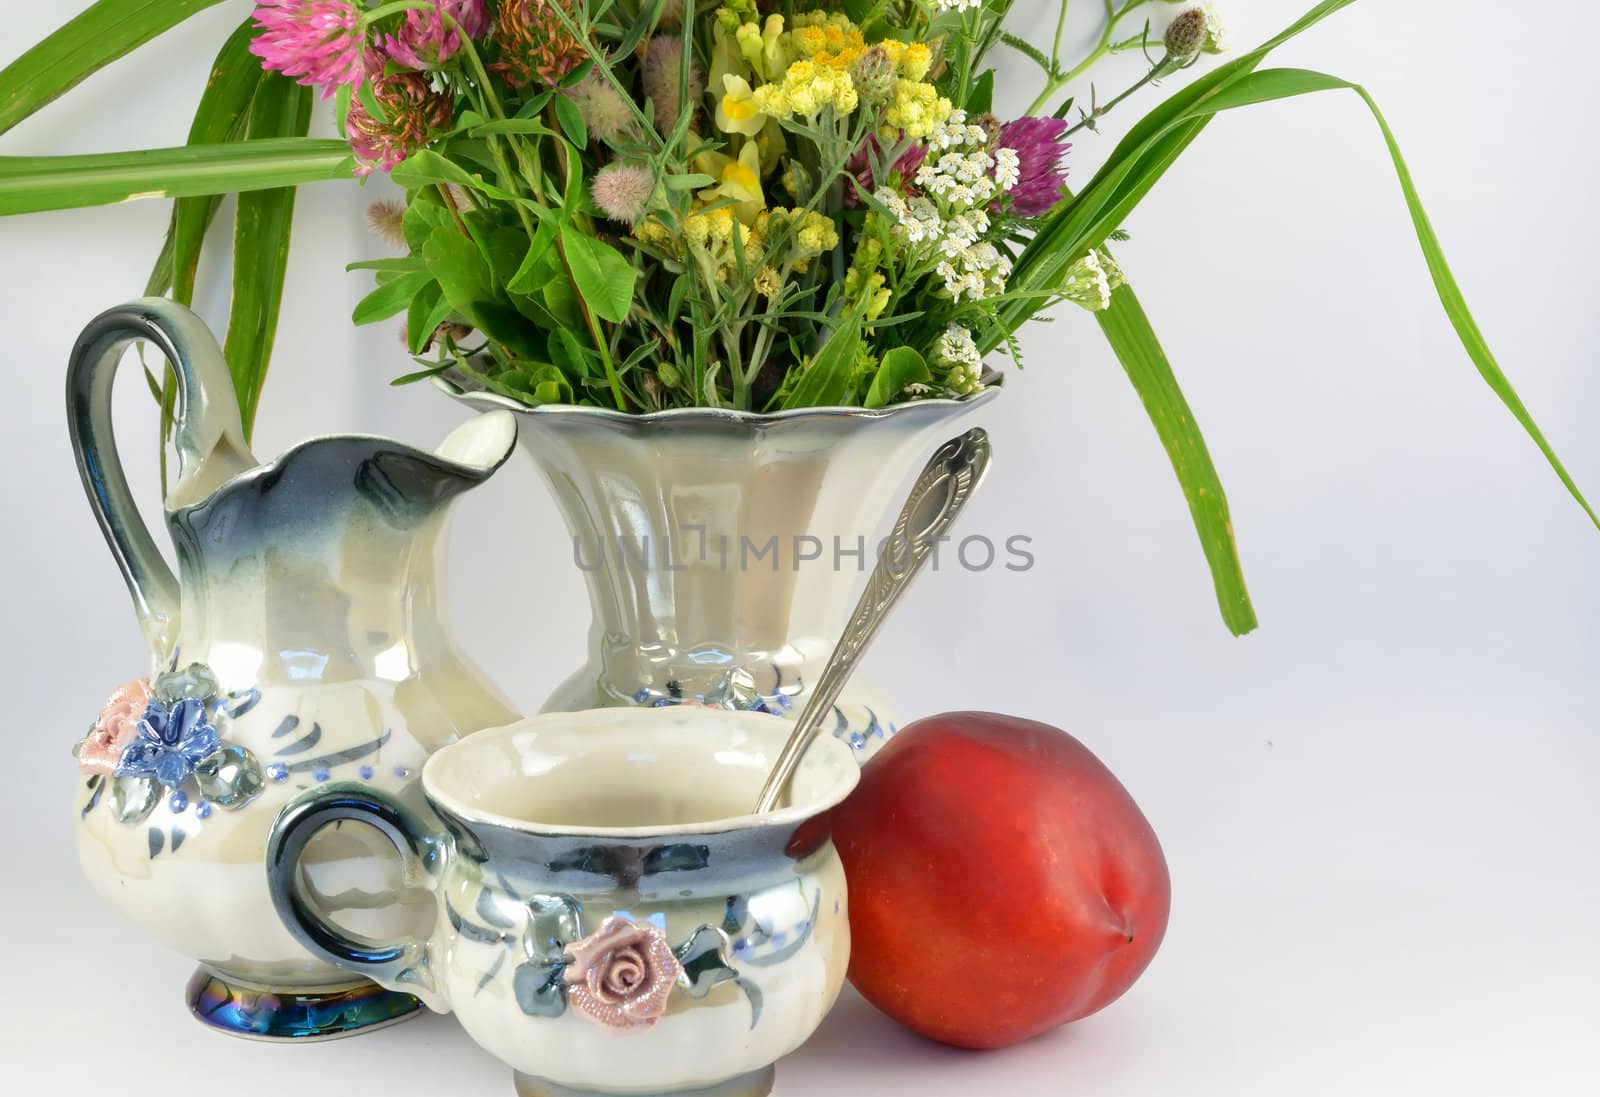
816,234
806,89
830,46
917,108
916,62
876,292
711,231
738,179
652,232
767,282
740,109
762,46
836,20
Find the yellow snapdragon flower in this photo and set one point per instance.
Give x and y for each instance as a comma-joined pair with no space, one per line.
764,47
739,180
742,109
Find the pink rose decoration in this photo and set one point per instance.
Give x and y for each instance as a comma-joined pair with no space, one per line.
117,726
621,975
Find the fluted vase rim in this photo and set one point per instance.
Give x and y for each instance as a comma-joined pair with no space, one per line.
644,422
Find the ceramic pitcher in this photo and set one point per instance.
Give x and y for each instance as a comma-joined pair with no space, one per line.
301,642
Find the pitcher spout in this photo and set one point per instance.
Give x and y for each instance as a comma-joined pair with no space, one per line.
408,486
475,449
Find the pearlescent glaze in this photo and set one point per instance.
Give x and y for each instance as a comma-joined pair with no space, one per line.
563,836
307,611
720,548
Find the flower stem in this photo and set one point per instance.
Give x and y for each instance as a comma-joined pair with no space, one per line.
1054,85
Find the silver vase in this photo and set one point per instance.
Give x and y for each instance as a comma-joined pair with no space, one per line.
721,548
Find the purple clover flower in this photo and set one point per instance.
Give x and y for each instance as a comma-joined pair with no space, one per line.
426,40
1042,178
319,42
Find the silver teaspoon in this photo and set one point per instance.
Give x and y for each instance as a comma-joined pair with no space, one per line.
943,488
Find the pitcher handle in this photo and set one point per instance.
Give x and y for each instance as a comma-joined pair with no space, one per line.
207,424
398,965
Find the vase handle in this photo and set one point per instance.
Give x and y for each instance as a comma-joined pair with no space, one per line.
398,965
207,433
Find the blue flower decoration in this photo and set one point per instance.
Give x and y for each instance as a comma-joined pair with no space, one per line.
171,743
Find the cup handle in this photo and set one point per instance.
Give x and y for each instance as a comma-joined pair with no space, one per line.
207,432
399,965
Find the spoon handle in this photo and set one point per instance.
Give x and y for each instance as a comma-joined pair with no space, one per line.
942,489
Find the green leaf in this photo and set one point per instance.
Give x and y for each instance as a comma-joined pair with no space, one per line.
537,263
512,126
406,265
571,119
281,110
981,98
429,308
425,168
534,105
391,298
897,368
824,381
689,181
35,184
1128,331
649,15
468,283
602,275
92,39
569,352
421,374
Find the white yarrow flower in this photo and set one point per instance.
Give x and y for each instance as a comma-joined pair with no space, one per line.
949,219
958,353
1088,284
1007,168
1216,29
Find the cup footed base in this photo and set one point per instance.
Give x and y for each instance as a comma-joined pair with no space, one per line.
294,1016
755,1084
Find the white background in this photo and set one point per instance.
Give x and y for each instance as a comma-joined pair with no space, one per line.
1379,810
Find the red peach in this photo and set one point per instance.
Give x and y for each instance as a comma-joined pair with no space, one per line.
1002,881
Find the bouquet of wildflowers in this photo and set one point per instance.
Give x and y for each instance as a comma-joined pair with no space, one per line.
652,203
759,205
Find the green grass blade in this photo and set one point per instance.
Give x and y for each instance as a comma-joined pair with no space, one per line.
93,39
1284,83
282,109
1155,143
1128,331
34,184
223,115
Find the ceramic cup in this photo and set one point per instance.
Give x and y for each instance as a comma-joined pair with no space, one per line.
608,916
